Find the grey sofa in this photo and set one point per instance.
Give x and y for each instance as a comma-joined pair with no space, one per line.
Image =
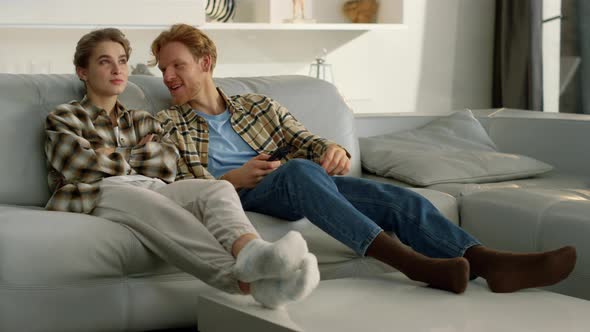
73,272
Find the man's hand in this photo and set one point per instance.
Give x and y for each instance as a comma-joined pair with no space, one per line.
335,161
251,172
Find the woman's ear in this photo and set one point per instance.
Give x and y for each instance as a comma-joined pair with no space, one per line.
82,73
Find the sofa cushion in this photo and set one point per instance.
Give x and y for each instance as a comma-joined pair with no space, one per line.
43,248
449,149
551,180
531,220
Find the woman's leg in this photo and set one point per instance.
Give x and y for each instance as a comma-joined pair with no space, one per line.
170,231
279,272
216,205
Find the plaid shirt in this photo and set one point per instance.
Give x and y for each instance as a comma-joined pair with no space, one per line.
263,123
76,130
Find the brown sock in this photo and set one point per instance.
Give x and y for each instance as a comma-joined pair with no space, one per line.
507,272
450,274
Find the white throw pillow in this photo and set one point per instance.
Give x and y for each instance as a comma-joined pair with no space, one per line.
451,149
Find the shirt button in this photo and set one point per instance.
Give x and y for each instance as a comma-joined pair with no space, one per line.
122,140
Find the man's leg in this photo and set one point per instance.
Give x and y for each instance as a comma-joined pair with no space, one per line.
302,188
507,272
408,214
279,272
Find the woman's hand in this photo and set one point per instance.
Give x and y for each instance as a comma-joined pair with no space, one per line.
335,161
251,172
105,151
147,138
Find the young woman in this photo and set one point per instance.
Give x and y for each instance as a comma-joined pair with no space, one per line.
115,163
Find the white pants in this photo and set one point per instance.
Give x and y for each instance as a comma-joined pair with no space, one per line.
191,224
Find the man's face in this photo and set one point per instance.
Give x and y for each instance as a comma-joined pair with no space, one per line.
107,71
182,73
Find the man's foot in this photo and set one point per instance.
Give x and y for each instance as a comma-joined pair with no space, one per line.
509,272
275,293
260,259
450,274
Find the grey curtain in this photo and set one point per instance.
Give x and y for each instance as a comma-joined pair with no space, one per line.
583,10
518,62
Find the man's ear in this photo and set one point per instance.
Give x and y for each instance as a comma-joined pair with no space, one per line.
205,62
82,73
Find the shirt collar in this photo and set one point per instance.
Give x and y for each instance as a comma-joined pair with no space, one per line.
186,109
95,111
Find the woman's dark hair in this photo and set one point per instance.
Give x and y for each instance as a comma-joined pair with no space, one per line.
88,42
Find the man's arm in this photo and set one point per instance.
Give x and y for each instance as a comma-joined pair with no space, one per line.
331,156
169,130
252,172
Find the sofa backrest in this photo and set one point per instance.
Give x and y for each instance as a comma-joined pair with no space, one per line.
559,139
25,101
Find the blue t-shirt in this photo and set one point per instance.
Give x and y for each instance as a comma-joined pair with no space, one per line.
227,150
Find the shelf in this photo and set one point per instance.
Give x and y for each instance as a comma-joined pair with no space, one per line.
224,26
298,26
83,26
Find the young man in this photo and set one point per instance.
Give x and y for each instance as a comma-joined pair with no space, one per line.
230,138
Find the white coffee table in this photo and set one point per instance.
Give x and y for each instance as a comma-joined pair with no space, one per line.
393,303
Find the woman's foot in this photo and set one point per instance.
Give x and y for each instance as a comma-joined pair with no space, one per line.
275,293
260,259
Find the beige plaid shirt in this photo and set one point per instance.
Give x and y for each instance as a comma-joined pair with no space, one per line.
262,122
76,130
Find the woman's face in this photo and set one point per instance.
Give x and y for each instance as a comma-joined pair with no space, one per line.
107,71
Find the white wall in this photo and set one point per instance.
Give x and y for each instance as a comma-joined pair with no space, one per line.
551,55
441,61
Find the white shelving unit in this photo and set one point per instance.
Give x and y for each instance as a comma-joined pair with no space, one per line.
251,15
327,14
302,26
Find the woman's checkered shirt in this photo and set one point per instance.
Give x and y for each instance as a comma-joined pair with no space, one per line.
77,129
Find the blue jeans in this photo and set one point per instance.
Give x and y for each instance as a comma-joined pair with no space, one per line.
354,210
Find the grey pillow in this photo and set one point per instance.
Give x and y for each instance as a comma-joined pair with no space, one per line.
450,149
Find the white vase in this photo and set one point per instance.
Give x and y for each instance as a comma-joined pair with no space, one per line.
220,10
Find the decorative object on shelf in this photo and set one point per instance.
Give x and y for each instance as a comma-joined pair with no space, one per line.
141,69
320,69
299,13
220,10
361,11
